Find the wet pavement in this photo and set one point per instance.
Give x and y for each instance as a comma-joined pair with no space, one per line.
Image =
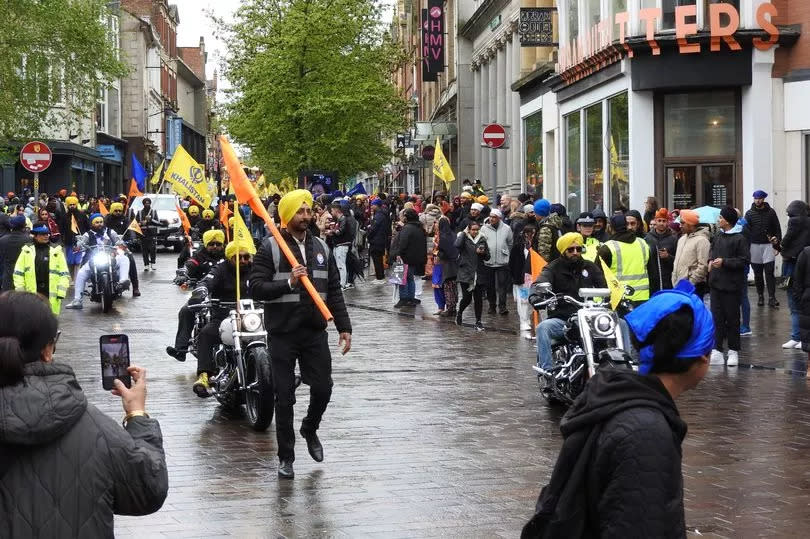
435,429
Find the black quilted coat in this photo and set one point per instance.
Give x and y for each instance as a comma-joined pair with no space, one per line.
619,470
66,467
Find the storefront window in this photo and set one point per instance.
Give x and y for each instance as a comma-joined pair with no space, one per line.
700,124
572,161
619,148
594,153
724,19
573,20
594,13
668,11
533,128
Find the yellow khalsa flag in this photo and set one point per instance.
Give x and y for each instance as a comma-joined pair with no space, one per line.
616,288
135,227
441,167
241,234
156,176
187,177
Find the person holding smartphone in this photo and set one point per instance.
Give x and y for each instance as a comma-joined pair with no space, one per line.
47,426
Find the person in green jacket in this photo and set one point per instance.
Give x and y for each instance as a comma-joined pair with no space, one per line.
41,268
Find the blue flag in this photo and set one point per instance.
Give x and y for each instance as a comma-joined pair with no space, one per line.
358,189
138,174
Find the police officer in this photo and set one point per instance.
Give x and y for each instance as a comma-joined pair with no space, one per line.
197,267
42,269
628,257
297,328
585,225
117,221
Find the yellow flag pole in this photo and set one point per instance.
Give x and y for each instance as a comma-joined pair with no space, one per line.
238,282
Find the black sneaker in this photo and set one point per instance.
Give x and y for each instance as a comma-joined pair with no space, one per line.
761,301
772,302
401,303
178,354
458,319
491,310
504,312
479,326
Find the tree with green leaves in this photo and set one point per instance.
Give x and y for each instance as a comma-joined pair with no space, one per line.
312,85
55,55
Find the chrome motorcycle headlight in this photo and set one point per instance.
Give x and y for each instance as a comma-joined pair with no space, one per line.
101,260
604,325
251,323
226,332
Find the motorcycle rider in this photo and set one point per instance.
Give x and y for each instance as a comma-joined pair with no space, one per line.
42,269
193,215
74,224
297,329
96,236
566,274
197,267
117,221
207,222
628,257
220,284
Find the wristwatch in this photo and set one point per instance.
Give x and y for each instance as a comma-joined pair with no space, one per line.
130,415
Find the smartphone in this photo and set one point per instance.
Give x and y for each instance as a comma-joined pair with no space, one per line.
114,351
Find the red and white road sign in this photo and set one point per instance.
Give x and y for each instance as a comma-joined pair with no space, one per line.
494,135
35,156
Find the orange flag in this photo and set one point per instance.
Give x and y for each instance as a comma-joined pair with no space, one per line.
245,193
537,264
133,191
102,209
135,227
224,214
183,219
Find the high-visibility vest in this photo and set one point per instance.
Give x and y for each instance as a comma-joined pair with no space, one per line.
629,264
591,248
25,278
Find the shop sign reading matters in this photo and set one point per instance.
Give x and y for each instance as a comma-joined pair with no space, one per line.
601,35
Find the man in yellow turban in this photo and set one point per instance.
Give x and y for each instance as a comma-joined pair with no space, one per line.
566,274
296,326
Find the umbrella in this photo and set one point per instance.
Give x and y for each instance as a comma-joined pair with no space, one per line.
708,214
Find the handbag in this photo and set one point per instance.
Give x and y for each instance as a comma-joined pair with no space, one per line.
399,274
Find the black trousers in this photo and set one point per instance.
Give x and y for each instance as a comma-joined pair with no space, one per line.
311,348
133,272
499,283
768,278
185,324
377,260
209,338
148,249
726,314
476,295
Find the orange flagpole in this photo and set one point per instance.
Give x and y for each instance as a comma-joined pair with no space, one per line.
245,193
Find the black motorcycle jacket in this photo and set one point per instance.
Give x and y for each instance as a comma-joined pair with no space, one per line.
567,277
220,284
199,265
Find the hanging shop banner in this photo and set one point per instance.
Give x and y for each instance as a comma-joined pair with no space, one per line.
432,40
536,28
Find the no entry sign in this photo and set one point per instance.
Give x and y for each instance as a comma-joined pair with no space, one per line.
494,135
35,156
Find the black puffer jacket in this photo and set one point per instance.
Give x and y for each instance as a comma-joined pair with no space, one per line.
619,470
800,288
669,241
760,223
10,247
411,246
70,466
735,251
379,232
471,268
797,236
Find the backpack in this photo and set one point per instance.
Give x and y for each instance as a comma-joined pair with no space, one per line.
555,235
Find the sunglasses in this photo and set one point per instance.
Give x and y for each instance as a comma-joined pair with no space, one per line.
215,244
246,258
574,249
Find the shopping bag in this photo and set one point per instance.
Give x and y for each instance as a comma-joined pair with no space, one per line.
399,273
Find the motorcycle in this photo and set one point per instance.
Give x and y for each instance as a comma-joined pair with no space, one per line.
104,285
593,339
243,364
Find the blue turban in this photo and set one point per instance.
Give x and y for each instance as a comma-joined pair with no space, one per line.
663,303
96,216
40,229
759,193
542,207
16,222
376,202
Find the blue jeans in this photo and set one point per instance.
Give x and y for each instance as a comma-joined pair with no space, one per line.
787,271
408,291
548,330
745,305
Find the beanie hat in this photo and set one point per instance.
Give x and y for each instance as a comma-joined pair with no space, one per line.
497,213
483,199
759,193
477,206
542,207
528,208
689,217
569,239
208,214
730,215
662,213
213,235
598,213
619,223
16,222
559,209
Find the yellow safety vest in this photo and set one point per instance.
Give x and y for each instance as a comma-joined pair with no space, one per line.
25,278
591,248
629,265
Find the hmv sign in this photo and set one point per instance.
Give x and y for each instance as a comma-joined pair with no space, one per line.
432,40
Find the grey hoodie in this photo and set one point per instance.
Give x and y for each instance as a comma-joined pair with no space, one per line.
69,467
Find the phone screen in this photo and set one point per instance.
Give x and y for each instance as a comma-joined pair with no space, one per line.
114,360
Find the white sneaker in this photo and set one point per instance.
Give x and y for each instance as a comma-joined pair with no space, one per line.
152,267
717,358
733,358
791,344
527,335
798,346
